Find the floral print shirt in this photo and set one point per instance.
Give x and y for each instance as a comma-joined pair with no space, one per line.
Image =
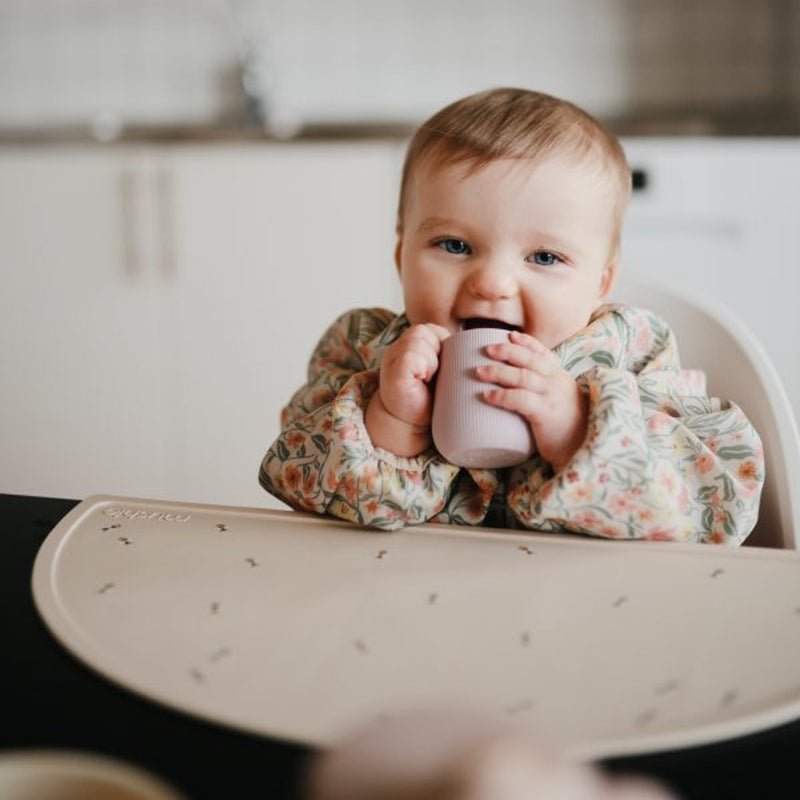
660,459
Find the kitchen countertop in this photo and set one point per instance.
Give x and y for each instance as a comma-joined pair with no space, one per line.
768,121
51,700
208,134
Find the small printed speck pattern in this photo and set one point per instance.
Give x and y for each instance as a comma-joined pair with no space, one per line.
299,627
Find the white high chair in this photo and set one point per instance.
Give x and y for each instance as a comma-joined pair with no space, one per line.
711,338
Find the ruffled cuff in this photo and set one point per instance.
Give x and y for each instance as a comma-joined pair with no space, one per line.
611,463
329,465
651,472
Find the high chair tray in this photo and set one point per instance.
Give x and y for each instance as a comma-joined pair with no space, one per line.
301,627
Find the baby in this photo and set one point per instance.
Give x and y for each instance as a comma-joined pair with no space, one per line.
510,215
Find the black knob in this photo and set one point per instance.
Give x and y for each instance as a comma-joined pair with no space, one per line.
638,179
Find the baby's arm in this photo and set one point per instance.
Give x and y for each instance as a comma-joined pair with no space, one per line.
659,461
324,460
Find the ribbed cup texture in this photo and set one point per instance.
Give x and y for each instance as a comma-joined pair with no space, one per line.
466,430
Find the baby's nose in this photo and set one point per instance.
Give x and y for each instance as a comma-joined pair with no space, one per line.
492,280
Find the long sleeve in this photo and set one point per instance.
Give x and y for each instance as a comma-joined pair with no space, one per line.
660,460
323,460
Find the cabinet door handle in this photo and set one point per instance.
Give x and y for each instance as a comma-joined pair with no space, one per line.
166,220
130,249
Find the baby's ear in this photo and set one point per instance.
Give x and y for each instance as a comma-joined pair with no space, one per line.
398,252
608,278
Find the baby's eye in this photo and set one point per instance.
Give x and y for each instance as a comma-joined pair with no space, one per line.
457,247
544,258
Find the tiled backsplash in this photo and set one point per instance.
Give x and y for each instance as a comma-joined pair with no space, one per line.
66,62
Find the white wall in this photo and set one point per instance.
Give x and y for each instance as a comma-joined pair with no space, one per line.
167,61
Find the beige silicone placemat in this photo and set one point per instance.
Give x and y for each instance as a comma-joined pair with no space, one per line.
299,627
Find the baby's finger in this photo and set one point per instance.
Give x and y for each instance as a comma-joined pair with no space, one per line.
415,354
523,401
417,340
418,363
439,331
539,360
511,376
429,334
520,348
527,341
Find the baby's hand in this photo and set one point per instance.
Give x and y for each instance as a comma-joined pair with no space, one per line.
399,414
532,382
406,372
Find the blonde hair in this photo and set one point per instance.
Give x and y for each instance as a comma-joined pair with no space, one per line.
516,124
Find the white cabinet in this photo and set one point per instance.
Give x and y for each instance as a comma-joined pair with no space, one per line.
720,217
271,245
160,304
80,379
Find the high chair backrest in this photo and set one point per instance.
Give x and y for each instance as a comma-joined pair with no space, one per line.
711,337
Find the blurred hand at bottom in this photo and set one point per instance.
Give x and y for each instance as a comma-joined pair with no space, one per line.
461,757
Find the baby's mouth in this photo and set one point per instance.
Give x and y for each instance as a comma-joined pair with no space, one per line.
484,322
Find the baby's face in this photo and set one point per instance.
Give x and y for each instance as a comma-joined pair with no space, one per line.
525,245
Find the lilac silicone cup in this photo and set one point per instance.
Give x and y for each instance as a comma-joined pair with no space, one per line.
466,430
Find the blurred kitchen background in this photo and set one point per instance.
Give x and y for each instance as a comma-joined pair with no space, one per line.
654,66
191,191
